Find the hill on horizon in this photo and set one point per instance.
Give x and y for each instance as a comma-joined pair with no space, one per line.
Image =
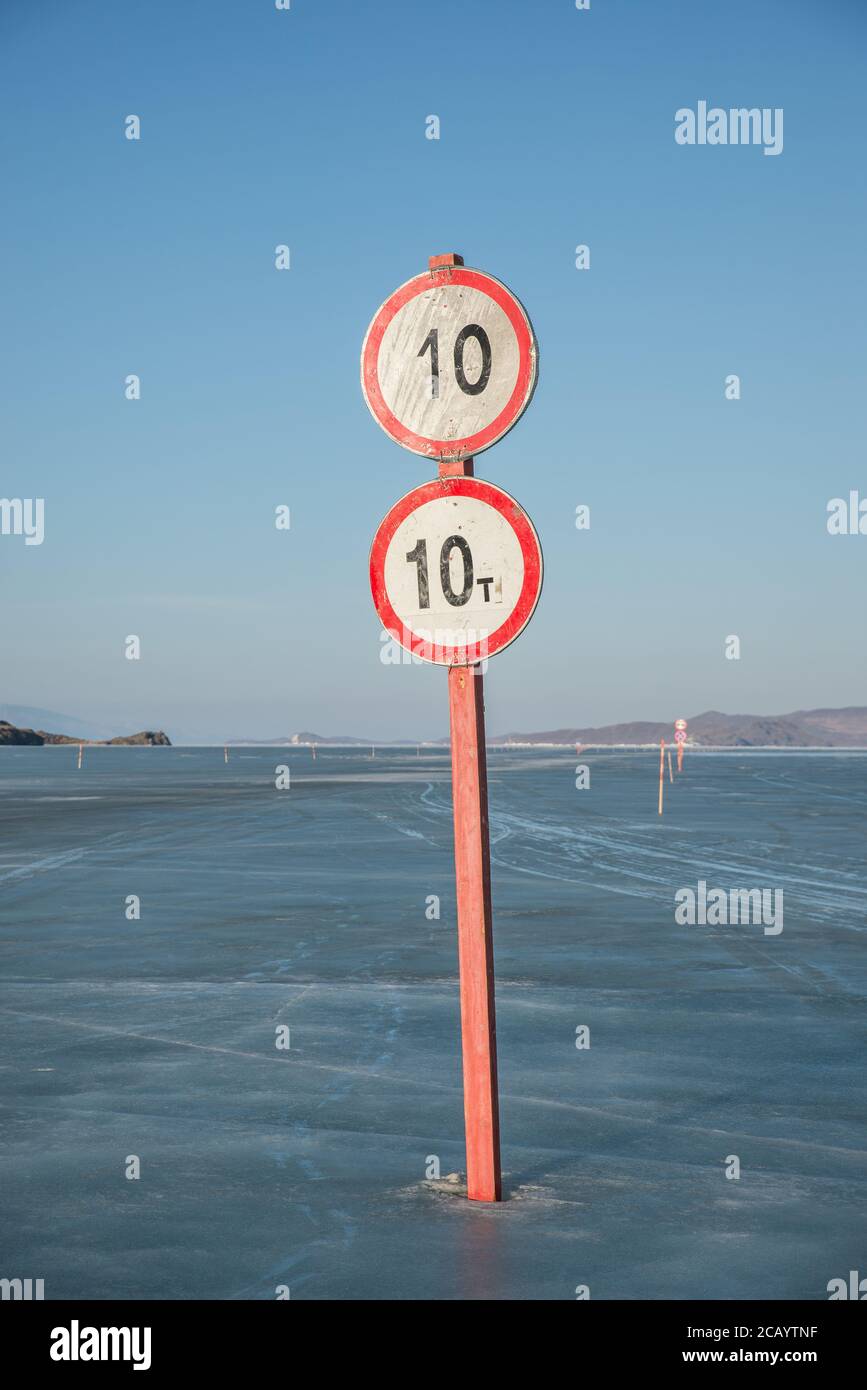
817,728
288,740
32,717
11,735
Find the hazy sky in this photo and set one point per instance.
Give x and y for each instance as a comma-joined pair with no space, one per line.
307,127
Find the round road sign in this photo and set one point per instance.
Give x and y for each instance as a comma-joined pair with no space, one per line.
680,723
449,363
455,571
680,735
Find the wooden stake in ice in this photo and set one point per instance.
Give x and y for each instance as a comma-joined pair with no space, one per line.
661,770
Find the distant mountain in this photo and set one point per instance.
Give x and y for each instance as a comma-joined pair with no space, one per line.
10,734
816,728
31,717
305,739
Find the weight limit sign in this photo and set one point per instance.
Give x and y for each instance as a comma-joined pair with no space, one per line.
449,363
455,571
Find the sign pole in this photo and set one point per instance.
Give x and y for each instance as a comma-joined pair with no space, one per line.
449,364
475,920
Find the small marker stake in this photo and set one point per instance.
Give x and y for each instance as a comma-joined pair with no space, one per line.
661,770
670,773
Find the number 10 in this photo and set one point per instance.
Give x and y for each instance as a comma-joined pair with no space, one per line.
418,557
470,388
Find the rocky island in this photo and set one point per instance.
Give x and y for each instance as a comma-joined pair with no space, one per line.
10,734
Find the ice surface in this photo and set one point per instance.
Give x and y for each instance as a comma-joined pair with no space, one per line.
306,907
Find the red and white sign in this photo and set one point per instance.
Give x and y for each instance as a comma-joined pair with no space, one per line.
449,363
455,571
680,735
680,723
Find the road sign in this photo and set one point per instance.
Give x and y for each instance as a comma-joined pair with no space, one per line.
680,723
448,365
455,570
449,362
680,735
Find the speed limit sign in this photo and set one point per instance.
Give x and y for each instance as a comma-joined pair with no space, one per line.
455,571
449,363
680,723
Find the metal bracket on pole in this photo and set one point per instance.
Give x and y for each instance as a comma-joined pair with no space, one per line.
440,265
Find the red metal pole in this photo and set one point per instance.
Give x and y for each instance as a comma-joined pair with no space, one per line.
475,920
475,933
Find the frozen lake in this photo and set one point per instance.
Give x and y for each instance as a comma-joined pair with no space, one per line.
306,908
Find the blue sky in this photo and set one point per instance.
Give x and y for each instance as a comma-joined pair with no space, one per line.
307,128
